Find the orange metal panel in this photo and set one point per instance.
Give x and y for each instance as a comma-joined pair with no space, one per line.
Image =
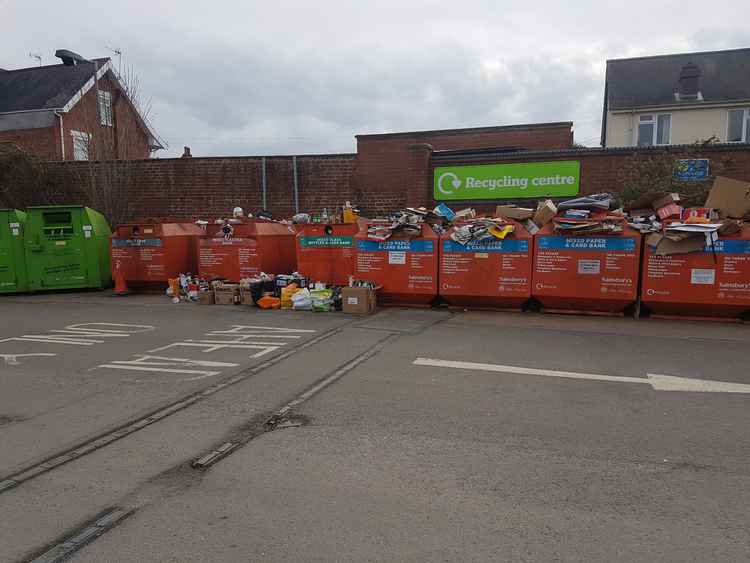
586,273
487,274
405,268
150,253
699,284
326,253
256,246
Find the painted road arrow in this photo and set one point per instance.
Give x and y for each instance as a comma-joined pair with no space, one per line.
657,382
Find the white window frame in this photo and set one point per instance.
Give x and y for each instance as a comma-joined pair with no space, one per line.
104,106
745,124
655,135
81,141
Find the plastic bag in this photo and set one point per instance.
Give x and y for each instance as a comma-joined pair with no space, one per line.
321,300
302,301
286,295
269,302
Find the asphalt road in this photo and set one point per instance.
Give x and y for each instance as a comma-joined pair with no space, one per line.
410,435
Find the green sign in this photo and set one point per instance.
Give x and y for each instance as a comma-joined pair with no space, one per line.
507,181
326,242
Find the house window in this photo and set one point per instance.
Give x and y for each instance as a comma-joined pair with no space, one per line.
738,128
105,107
81,142
654,129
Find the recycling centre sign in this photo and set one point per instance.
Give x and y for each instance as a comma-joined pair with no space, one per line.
507,181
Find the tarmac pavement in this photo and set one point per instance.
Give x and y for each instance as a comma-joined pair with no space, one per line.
410,435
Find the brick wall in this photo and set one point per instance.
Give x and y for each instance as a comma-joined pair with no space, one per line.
384,161
212,187
44,142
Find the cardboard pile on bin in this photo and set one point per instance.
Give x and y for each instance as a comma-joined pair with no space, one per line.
678,229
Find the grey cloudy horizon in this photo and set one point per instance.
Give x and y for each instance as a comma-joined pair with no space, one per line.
249,78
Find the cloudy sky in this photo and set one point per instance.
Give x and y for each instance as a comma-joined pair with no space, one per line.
259,77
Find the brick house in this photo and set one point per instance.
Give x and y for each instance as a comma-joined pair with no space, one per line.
76,110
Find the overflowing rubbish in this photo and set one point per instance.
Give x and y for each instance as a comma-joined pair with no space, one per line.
594,202
594,226
482,229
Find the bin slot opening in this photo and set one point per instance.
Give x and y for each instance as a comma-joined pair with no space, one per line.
58,232
57,219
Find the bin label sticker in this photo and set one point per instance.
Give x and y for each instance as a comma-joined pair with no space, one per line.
15,231
14,225
592,267
87,227
87,234
587,243
702,276
326,242
390,245
137,242
59,243
397,257
352,300
487,246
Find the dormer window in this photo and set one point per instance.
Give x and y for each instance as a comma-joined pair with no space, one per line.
654,129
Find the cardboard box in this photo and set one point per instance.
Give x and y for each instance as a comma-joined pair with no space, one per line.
513,212
730,197
358,300
227,295
671,210
665,200
545,212
206,297
246,296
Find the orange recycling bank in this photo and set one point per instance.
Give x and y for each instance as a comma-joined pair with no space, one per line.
587,273
488,273
325,252
150,253
253,247
712,283
405,268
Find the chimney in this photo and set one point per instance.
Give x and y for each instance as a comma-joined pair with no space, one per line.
69,58
689,83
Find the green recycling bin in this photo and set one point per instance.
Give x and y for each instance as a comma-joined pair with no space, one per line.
12,257
67,247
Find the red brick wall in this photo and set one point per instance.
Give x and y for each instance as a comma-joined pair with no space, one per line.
44,142
212,187
384,160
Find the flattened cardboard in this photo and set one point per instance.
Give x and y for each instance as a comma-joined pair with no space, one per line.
666,200
206,297
513,212
730,197
665,247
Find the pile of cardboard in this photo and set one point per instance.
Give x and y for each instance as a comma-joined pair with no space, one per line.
676,229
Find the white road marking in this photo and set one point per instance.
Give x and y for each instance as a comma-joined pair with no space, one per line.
215,345
164,370
49,339
657,382
266,329
12,359
82,334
